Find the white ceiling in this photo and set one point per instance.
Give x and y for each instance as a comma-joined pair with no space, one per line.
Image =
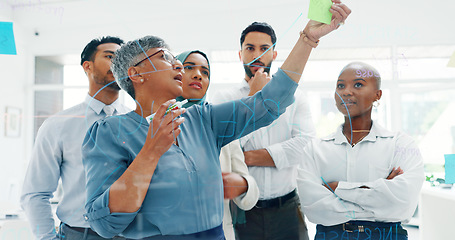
65,26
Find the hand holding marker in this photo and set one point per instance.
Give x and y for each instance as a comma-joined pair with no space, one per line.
171,107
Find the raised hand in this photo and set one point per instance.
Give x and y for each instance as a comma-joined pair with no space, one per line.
315,30
163,130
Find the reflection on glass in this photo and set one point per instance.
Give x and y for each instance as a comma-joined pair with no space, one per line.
429,118
47,103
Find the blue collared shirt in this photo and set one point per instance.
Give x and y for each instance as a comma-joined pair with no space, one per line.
186,191
57,154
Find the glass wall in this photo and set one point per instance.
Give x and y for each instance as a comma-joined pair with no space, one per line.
417,86
418,90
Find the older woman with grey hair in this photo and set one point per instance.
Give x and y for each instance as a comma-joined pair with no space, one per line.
163,180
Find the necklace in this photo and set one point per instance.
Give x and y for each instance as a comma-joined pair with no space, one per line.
354,143
361,131
356,131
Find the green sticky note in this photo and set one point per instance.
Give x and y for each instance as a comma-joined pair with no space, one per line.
450,168
7,43
319,11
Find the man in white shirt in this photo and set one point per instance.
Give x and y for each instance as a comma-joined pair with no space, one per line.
57,150
271,153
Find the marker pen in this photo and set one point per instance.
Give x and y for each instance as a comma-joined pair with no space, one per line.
171,107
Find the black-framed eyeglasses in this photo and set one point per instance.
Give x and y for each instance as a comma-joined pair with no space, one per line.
166,54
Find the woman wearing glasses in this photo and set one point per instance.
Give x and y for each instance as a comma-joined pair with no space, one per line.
163,180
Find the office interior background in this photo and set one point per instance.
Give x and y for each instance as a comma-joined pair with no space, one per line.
409,42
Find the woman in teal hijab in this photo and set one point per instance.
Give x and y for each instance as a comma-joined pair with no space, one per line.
196,78
238,185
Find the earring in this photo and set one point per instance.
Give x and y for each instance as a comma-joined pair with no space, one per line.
142,80
376,104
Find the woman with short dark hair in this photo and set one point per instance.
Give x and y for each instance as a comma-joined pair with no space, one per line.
362,181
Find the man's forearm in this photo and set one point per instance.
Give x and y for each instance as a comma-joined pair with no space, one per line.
39,214
260,157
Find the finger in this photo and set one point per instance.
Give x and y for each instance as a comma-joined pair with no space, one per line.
163,108
172,128
172,115
341,10
261,74
391,174
175,134
169,130
156,122
169,139
161,122
336,19
336,15
395,173
336,1
259,71
176,124
345,8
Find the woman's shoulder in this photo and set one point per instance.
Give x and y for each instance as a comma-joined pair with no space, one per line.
400,139
197,109
386,133
127,120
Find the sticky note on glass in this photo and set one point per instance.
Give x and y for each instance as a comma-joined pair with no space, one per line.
7,43
450,168
451,61
319,11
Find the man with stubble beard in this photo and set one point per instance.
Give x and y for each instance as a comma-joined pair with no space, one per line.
272,153
57,150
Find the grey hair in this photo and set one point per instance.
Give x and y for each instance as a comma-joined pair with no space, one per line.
366,67
128,55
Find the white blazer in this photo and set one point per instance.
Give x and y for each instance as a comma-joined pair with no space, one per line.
232,160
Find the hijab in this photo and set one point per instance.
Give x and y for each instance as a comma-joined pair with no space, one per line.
182,57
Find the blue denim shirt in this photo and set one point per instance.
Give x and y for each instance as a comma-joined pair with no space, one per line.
186,191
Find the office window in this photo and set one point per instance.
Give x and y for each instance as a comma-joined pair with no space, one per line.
425,69
46,103
429,118
75,85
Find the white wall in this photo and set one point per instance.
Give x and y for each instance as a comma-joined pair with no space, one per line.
65,26
16,72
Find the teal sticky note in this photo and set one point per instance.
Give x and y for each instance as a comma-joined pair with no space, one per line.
450,168
319,11
7,43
